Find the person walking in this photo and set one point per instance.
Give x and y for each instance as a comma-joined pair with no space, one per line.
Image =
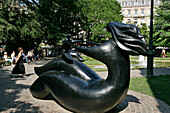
163,53
41,54
35,52
19,67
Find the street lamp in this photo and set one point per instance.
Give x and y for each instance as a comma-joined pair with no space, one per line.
151,50
45,40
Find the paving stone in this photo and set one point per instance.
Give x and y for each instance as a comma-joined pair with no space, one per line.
16,97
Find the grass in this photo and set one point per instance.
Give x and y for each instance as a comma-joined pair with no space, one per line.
155,58
92,62
158,87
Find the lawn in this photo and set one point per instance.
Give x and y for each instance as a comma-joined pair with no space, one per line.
155,58
92,62
158,62
158,87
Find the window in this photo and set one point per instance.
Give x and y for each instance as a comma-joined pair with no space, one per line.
142,12
143,2
149,2
129,12
123,3
142,20
136,1
136,21
128,2
136,12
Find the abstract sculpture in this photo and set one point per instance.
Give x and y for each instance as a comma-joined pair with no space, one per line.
78,88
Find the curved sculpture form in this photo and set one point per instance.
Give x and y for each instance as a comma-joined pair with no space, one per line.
78,88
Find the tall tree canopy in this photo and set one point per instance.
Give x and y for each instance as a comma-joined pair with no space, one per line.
98,13
19,25
28,22
73,16
161,36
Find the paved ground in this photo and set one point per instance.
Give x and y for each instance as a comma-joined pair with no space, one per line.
16,98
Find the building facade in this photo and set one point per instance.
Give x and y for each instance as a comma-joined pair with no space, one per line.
137,11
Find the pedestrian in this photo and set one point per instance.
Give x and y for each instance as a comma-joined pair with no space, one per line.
25,59
44,53
163,53
13,57
41,54
35,52
30,56
6,58
19,67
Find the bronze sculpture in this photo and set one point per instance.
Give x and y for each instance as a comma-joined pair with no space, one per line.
78,88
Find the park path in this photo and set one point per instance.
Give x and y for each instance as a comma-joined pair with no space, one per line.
16,98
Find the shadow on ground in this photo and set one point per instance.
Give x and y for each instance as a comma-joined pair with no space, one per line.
12,89
11,92
158,78
124,104
156,71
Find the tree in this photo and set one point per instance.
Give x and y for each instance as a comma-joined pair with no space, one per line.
6,28
145,31
19,26
59,18
98,13
161,36
52,20
62,17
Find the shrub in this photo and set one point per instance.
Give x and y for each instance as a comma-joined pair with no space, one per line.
168,54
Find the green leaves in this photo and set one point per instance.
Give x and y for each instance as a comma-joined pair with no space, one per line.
97,14
162,25
69,16
145,32
52,20
19,26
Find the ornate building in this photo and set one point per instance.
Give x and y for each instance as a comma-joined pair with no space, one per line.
137,11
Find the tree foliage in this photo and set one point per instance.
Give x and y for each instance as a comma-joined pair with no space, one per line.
98,13
145,31
73,16
28,22
162,25
59,18
19,26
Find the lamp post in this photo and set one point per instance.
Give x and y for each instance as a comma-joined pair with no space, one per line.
45,40
151,50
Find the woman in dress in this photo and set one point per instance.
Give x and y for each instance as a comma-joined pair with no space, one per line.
19,67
